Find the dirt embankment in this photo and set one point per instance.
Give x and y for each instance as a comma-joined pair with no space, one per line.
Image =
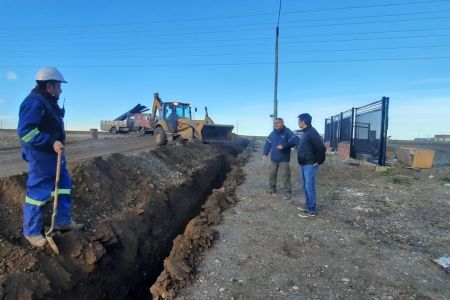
180,267
132,207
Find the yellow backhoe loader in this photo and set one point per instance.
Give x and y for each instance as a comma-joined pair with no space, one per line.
172,120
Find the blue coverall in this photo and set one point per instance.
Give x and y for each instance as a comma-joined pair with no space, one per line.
40,125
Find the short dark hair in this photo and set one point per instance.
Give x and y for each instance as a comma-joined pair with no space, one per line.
279,119
305,118
43,83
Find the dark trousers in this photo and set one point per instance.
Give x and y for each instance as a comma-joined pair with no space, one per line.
285,174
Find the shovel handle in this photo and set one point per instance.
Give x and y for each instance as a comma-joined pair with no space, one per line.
58,172
55,201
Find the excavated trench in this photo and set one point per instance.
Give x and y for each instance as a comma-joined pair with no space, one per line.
133,209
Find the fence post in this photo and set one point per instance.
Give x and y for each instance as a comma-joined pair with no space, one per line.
352,135
332,132
383,133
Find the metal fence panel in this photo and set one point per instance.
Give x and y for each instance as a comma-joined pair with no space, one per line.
364,128
327,133
368,129
346,126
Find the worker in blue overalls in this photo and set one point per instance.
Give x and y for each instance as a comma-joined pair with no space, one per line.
42,136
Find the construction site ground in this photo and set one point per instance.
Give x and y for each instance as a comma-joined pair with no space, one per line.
374,237
192,221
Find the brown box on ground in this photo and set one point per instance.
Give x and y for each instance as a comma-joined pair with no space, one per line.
389,154
417,158
344,150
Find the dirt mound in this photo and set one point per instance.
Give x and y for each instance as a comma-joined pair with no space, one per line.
180,266
132,208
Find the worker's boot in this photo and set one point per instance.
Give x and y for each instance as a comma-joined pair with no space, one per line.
271,191
69,227
37,240
287,196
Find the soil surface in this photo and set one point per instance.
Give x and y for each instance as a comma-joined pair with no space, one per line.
79,146
374,237
132,208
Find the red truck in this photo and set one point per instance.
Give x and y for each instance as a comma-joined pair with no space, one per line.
137,122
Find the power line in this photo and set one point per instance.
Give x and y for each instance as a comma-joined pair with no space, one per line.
365,6
242,64
306,26
230,17
114,34
371,38
372,22
366,32
369,16
312,35
261,53
267,44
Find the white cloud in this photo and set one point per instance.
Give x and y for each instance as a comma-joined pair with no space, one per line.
11,75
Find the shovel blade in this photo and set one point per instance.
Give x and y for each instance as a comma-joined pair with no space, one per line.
52,244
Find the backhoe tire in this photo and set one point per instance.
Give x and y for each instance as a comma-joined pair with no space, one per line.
160,136
113,130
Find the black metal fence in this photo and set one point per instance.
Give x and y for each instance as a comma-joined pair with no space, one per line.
364,129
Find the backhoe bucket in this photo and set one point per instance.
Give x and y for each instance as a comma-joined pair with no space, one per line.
214,133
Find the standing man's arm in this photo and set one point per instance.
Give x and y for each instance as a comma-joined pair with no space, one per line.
319,147
292,139
267,147
30,115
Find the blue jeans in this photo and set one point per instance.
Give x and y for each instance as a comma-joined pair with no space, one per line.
309,186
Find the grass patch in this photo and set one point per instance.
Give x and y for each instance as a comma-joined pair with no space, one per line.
446,179
401,180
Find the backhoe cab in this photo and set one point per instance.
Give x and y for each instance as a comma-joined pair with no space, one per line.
173,120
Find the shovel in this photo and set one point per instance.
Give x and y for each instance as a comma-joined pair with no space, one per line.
49,233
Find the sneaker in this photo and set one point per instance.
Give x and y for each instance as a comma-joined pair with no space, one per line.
287,196
69,227
270,192
302,210
307,215
37,240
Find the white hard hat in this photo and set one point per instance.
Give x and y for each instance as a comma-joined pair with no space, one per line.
49,73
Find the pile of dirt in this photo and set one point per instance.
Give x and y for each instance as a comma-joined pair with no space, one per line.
12,195
180,267
132,208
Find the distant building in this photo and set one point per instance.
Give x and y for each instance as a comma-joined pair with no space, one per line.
422,139
442,138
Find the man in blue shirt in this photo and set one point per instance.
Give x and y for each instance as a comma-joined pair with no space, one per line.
279,143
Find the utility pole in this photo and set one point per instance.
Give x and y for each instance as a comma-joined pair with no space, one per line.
275,96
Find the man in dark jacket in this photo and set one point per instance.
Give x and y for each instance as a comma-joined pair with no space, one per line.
279,143
310,154
42,136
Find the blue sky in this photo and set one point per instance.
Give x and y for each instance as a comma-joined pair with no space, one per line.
334,55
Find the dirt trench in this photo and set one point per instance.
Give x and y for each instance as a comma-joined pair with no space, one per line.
133,207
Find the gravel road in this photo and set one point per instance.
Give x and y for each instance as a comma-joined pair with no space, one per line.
11,162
